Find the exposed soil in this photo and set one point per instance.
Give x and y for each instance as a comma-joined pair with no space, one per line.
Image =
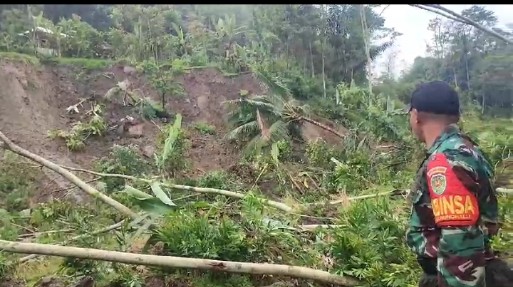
33,101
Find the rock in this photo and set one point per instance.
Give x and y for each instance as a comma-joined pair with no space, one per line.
154,282
86,281
148,151
51,282
136,131
129,70
24,82
120,129
46,280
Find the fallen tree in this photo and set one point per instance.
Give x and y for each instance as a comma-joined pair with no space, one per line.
178,262
65,172
8,144
276,204
96,232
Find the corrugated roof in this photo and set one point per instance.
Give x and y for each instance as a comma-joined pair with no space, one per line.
44,30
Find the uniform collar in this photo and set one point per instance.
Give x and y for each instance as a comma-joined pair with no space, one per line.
448,132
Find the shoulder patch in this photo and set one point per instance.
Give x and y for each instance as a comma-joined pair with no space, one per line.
439,183
452,203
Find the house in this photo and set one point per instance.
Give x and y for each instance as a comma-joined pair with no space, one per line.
47,43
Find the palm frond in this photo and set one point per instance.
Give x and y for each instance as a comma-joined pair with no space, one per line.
242,130
264,107
277,131
254,145
274,83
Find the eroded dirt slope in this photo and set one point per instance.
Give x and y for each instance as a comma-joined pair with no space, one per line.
33,100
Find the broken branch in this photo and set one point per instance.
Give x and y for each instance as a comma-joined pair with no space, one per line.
8,144
338,201
438,9
429,9
504,190
272,203
178,262
96,232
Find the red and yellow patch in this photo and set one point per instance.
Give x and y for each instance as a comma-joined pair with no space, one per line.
453,204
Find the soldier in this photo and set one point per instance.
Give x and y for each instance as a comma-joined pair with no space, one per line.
455,210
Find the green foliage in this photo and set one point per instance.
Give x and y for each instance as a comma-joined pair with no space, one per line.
356,165
474,62
212,235
162,77
9,229
122,160
205,128
311,67
171,158
216,179
86,64
23,58
158,205
151,110
260,121
197,236
17,182
4,266
380,224
126,278
75,139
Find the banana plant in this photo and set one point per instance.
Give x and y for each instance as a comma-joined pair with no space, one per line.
156,205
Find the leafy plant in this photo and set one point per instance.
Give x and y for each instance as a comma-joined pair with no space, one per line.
380,224
17,182
75,139
171,158
205,128
122,160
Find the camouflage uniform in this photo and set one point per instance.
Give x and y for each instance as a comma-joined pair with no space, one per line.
454,213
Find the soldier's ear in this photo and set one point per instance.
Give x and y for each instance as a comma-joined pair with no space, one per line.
414,115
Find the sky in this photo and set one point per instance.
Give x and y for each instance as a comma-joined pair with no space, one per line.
412,23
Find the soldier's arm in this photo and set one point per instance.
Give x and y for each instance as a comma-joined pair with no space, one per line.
453,184
475,172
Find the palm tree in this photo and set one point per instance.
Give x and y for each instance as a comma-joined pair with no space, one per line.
259,121
263,120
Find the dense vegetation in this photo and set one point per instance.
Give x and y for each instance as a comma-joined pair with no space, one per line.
315,61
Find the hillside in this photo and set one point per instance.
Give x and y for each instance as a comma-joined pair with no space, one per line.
36,96
236,145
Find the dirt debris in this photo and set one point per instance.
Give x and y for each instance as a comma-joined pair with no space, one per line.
34,101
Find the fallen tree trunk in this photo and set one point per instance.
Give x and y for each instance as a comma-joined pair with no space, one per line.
64,171
8,144
353,198
322,126
272,203
96,232
178,262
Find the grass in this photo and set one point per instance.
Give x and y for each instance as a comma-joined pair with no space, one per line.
87,64
84,63
205,128
18,57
